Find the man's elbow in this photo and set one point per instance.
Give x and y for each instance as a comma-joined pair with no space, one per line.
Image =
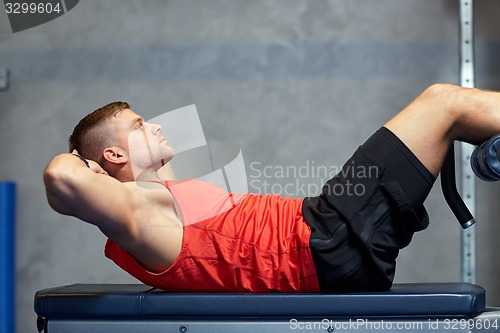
57,189
53,179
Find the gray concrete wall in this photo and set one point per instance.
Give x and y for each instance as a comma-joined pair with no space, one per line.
289,81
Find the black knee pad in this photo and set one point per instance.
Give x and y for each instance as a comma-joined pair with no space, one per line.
485,161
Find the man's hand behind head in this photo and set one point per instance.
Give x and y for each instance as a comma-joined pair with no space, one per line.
94,166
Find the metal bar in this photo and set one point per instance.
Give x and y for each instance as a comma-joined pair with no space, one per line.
468,184
451,194
263,325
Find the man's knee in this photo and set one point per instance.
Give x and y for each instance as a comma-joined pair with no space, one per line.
439,102
439,91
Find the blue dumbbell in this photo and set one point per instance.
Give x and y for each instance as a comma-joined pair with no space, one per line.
485,160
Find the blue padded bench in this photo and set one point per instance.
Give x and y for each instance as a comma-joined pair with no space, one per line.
138,308
134,308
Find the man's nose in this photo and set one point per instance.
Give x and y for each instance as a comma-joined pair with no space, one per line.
155,128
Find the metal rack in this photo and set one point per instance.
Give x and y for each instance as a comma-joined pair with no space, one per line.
468,181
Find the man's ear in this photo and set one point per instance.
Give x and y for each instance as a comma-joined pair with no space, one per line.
115,155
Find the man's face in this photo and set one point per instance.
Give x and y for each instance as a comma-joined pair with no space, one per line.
147,148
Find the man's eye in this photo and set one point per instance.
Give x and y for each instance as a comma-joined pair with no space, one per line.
140,126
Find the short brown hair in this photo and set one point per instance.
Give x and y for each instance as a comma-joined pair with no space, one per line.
91,135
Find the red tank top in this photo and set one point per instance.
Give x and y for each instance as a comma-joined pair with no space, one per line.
250,242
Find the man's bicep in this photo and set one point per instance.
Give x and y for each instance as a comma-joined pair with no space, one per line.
74,189
97,199
106,203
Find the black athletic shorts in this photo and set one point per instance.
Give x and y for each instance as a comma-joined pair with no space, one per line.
366,214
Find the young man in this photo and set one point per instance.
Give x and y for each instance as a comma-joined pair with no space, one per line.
190,235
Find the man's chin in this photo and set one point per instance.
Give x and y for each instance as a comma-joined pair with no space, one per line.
167,158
